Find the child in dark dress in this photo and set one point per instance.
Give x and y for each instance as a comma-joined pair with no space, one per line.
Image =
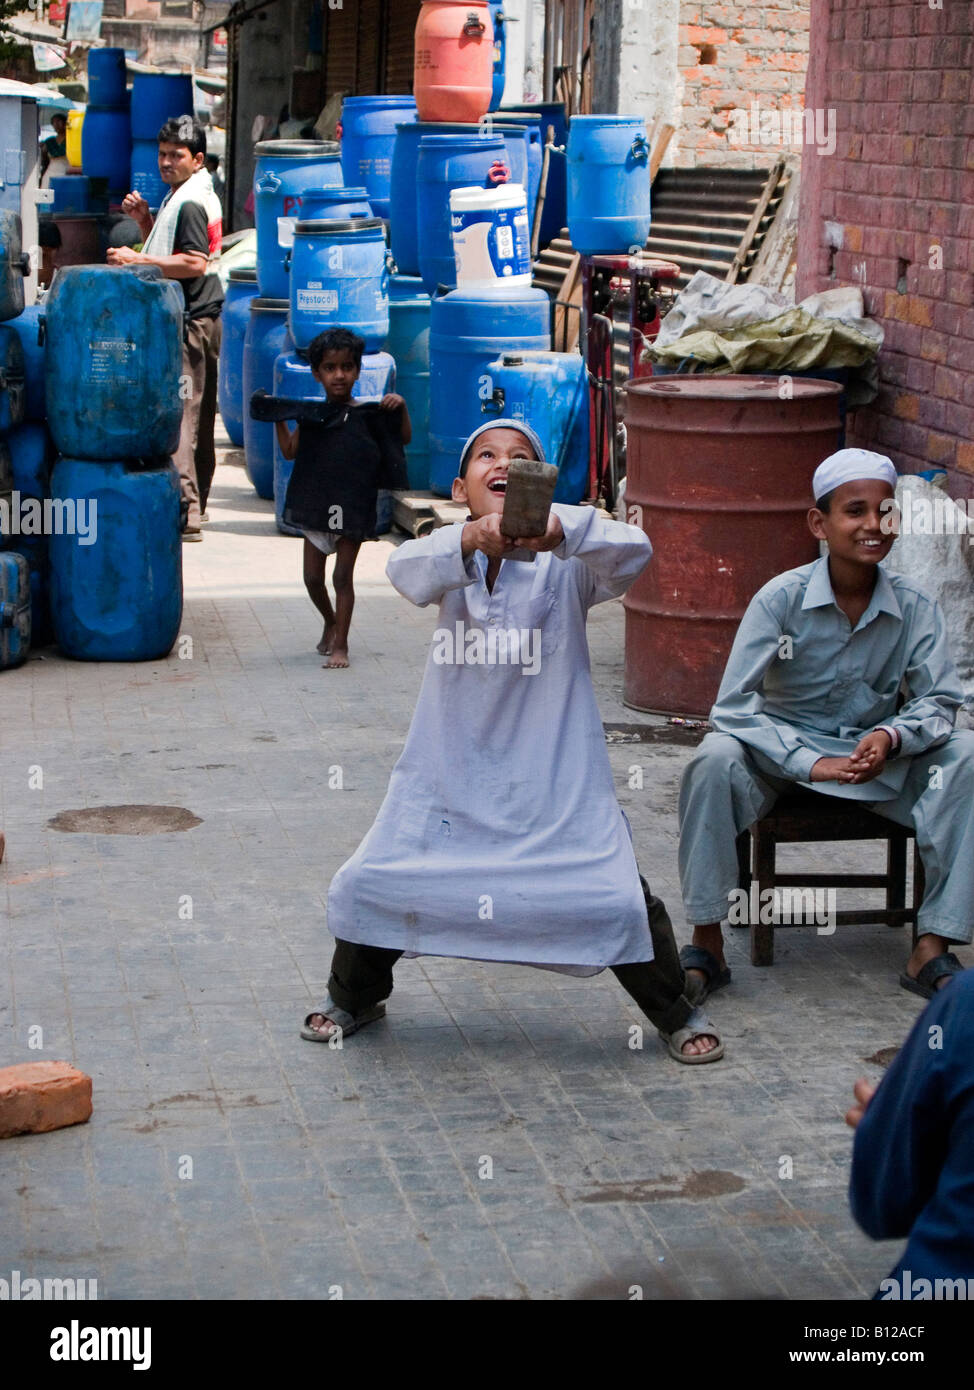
343,451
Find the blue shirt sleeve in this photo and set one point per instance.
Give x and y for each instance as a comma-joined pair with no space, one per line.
913,1158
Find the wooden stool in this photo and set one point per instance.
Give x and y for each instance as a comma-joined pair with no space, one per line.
802,816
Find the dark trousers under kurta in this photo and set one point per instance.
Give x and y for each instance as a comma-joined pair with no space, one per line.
361,976
196,456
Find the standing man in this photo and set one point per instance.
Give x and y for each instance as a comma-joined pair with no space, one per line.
184,241
54,150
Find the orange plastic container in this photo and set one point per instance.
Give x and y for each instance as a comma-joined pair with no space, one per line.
454,60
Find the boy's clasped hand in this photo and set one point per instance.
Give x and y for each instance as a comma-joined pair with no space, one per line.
865,762
485,534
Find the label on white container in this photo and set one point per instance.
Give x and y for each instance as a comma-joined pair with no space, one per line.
317,300
491,239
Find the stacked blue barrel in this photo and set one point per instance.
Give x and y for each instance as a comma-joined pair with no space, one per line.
113,358
156,98
22,463
321,262
463,201
106,136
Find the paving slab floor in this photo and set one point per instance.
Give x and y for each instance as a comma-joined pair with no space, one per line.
498,1136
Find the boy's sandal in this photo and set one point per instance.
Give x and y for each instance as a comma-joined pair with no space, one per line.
698,1025
925,983
342,1019
697,958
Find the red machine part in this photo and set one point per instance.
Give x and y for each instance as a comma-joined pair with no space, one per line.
613,287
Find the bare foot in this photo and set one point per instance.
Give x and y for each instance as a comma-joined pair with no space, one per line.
698,1046
327,638
337,659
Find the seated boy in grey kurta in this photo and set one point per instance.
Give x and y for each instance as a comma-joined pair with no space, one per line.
500,837
810,696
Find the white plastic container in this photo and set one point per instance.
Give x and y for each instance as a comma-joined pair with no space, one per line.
491,237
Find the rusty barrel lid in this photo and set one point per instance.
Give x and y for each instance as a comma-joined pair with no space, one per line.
739,386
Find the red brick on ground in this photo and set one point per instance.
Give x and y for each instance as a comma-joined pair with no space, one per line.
39,1096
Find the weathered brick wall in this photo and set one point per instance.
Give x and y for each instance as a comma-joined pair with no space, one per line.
893,211
730,56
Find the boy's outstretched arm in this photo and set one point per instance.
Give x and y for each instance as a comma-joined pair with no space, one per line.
423,570
613,553
287,439
392,401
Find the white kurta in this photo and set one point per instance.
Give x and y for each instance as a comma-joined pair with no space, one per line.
500,837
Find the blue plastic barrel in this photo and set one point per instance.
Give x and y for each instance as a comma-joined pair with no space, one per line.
516,145
113,359
403,218
548,390
35,552
106,145
241,289
145,177
72,194
13,388
447,162
368,138
608,183
31,455
117,592
28,326
14,265
469,329
284,170
554,217
15,610
264,342
157,97
500,53
294,380
409,343
106,77
318,204
531,125
340,279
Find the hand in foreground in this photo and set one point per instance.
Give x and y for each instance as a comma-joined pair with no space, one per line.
485,535
122,255
391,402
553,536
863,1091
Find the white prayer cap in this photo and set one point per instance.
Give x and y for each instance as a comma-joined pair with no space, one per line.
851,466
504,424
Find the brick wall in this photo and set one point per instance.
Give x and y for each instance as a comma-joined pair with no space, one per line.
893,211
732,55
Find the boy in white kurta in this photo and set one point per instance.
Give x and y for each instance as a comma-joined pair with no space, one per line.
500,837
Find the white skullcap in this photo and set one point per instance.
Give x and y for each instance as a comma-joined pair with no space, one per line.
851,466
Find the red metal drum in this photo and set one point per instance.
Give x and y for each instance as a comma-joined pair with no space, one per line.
720,479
